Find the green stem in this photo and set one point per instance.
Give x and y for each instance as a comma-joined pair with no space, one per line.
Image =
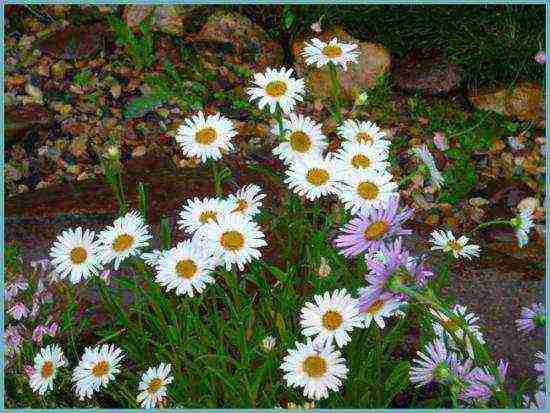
279,118
489,223
217,183
336,89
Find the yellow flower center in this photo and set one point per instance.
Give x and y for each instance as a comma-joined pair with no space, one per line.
455,246
232,240
364,137
360,161
332,51
186,268
367,190
332,320
317,176
450,325
300,142
123,242
206,136
375,307
207,216
315,366
241,206
47,369
154,386
276,88
100,369
376,230
78,255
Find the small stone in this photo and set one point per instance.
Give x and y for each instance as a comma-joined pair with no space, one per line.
139,151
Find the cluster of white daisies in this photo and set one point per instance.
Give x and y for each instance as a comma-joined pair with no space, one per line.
222,231
95,371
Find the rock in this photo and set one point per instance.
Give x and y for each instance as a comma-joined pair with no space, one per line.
427,70
374,60
19,120
235,39
525,102
170,19
74,42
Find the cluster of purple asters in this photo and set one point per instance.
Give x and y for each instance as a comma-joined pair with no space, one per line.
472,385
376,233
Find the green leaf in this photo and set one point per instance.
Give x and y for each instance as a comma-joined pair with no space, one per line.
141,105
397,381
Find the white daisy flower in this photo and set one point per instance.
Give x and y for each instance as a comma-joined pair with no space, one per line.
96,369
248,200
75,253
303,137
320,53
268,343
425,156
46,363
523,224
126,237
314,176
444,326
447,242
277,87
206,137
233,239
366,189
372,306
152,258
152,386
359,157
315,369
185,268
365,132
197,212
331,318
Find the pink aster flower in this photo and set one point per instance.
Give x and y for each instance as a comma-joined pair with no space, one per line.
540,57
12,340
29,370
440,141
436,363
38,333
368,231
531,318
52,329
18,311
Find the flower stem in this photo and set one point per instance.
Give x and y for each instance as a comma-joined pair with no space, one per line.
279,118
336,89
489,223
217,183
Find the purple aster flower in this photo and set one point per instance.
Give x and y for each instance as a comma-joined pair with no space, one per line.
395,263
38,333
368,230
436,363
376,305
481,383
531,318
418,269
538,403
385,262
540,57
539,366
12,340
